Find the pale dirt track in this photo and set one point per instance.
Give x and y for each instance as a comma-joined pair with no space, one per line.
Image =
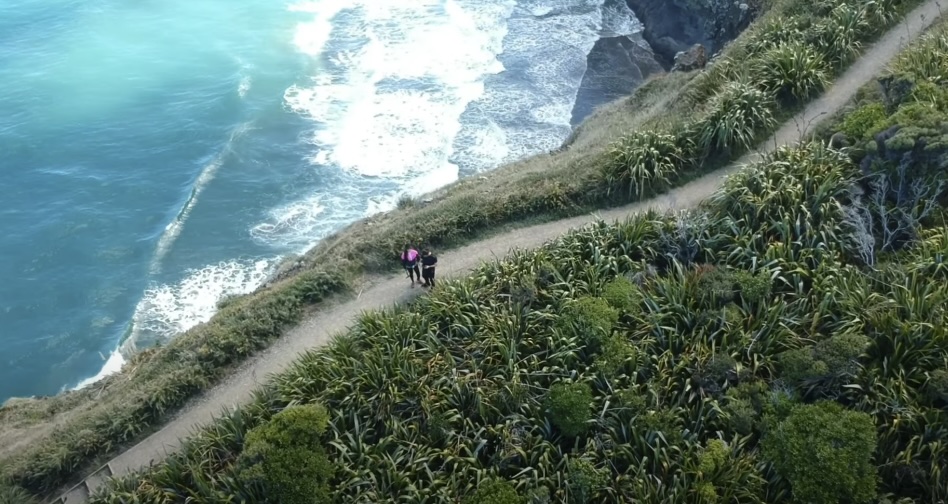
384,291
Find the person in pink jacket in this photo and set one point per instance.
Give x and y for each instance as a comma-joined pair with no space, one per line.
410,263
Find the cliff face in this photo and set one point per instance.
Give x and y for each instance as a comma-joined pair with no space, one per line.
614,68
621,62
675,25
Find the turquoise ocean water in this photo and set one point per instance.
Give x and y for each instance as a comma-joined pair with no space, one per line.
156,156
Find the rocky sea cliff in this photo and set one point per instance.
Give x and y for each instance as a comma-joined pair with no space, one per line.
619,64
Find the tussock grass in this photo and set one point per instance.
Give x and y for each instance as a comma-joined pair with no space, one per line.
90,424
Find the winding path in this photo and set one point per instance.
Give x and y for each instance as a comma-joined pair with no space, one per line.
383,291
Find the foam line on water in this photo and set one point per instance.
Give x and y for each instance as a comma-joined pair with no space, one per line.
173,229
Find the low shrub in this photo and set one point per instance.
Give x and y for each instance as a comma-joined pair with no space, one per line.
495,491
570,407
622,294
616,353
585,481
859,123
716,286
833,357
825,452
286,459
753,288
591,319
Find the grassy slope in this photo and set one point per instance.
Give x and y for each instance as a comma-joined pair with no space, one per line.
119,410
703,354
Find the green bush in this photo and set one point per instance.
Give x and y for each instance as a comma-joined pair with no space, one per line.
931,94
863,121
642,160
585,480
495,491
616,352
936,387
799,365
591,319
713,456
716,286
825,452
753,288
834,356
622,294
841,352
741,416
286,458
570,407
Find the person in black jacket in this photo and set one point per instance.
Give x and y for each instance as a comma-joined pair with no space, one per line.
428,262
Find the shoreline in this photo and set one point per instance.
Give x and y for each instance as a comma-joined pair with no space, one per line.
837,97
610,88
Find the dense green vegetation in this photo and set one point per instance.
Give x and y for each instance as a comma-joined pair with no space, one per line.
766,75
785,342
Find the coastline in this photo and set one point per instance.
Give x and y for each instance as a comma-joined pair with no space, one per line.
616,65
576,195
823,108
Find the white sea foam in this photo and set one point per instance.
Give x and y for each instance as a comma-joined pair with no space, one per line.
299,225
392,81
244,86
438,60
168,309
548,41
112,365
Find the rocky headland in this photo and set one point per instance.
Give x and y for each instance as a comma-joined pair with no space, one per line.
676,35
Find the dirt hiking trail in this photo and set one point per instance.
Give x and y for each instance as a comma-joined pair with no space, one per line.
381,292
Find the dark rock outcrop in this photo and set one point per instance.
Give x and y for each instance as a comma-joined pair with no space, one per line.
673,26
692,59
615,67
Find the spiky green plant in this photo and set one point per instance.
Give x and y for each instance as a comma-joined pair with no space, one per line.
644,160
794,72
926,60
776,31
734,117
840,36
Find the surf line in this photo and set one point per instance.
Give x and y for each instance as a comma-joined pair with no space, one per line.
173,229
